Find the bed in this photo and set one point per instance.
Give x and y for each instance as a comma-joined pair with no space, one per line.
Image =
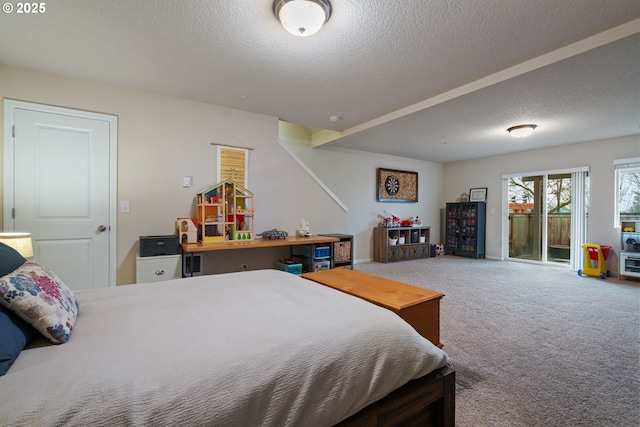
254,348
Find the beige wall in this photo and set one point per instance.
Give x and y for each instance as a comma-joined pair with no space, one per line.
162,138
351,175
597,155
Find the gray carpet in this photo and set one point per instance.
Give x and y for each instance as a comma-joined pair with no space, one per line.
533,345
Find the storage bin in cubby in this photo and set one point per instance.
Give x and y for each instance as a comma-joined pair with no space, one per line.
310,264
312,251
289,268
342,251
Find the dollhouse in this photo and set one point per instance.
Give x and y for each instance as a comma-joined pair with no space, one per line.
225,212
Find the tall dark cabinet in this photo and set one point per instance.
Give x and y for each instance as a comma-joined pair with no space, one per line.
465,229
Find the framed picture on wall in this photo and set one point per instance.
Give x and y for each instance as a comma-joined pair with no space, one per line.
478,195
396,185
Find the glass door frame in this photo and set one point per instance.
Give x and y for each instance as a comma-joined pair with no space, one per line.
536,228
579,195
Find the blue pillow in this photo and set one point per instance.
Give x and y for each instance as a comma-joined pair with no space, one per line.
15,333
10,259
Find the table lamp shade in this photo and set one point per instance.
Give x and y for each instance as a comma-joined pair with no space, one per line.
21,242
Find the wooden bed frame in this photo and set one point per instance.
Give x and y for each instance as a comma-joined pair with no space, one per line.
426,401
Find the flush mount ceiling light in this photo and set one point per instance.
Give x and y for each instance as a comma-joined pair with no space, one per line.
521,131
302,17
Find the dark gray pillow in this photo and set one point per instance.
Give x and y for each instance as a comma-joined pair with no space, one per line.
10,259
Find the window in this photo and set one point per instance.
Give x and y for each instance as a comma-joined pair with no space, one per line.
627,191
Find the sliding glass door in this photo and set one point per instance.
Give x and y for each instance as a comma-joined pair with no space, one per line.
558,218
526,199
542,224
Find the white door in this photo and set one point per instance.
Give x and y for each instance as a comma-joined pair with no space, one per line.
63,192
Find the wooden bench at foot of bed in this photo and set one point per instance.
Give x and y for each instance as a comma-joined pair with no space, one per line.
419,307
426,401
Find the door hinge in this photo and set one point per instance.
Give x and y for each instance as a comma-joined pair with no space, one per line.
13,213
13,131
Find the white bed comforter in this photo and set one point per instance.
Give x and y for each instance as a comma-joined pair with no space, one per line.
258,348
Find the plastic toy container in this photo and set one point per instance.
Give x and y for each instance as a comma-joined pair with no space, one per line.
289,268
312,265
312,251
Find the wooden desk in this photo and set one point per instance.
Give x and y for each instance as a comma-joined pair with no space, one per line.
417,306
188,249
256,243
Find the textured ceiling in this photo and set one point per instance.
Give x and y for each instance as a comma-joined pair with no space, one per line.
436,80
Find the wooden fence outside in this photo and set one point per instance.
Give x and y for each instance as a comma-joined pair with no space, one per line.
521,232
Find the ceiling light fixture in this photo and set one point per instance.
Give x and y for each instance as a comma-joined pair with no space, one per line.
521,131
302,17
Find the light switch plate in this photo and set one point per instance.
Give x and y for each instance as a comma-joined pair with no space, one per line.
186,181
124,207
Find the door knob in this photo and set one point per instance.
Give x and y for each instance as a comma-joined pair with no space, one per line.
101,228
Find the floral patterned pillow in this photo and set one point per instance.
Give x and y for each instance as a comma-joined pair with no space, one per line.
39,297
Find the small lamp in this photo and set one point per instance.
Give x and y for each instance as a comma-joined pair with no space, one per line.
302,17
521,131
21,242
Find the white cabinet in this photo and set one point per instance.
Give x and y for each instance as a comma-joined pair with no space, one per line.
158,268
629,264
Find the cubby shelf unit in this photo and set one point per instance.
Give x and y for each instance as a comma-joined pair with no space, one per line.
392,244
225,212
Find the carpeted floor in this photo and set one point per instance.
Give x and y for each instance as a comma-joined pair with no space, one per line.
533,345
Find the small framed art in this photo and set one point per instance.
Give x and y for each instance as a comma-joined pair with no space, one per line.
397,186
478,195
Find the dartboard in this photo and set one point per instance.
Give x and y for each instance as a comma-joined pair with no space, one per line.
392,185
